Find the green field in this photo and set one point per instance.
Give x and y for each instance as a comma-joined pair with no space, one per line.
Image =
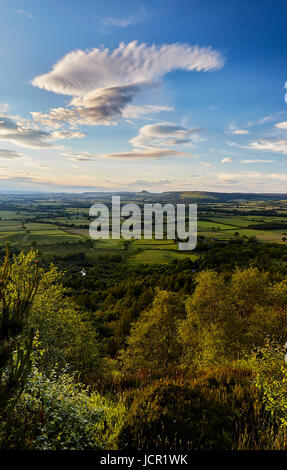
58,227
160,257
203,225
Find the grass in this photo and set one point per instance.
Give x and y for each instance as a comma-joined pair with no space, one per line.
206,225
142,244
160,257
266,236
41,237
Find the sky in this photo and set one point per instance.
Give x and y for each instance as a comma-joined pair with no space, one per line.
161,95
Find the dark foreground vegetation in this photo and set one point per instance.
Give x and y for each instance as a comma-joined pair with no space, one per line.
181,355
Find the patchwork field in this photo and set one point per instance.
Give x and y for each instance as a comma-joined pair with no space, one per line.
60,227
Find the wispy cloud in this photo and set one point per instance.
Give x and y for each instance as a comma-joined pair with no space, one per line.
153,141
235,178
133,154
141,15
147,153
159,140
25,13
240,132
271,117
268,145
256,160
233,129
79,156
163,134
105,83
13,130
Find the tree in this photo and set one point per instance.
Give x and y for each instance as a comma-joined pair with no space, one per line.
153,342
211,329
249,287
65,333
15,339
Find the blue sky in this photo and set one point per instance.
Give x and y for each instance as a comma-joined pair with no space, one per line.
132,95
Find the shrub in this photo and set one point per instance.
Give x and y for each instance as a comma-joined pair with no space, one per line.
271,378
55,413
217,411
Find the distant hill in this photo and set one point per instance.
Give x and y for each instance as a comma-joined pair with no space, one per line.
146,196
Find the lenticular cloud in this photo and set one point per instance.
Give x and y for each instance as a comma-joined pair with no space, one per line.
82,71
104,83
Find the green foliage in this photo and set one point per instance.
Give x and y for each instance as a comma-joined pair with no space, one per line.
248,288
227,317
208,333
56,413
271,379
16,300
153,343
65,334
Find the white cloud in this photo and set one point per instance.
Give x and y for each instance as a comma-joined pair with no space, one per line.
99,107
79,156
240,132
60,135
132,111
233,178
206,164
271,117
146,153
267,145
130,20
227,160
151,152
104,83
25,13
80,72
17,131
281,125
233,129
258,161
163,134
152,141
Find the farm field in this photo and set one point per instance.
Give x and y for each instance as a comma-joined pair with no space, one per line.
160,257
59,226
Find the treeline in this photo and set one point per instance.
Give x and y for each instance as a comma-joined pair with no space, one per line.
114,294
268,226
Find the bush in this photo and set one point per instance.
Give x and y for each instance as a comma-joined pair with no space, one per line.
55,413
219,410
270,371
